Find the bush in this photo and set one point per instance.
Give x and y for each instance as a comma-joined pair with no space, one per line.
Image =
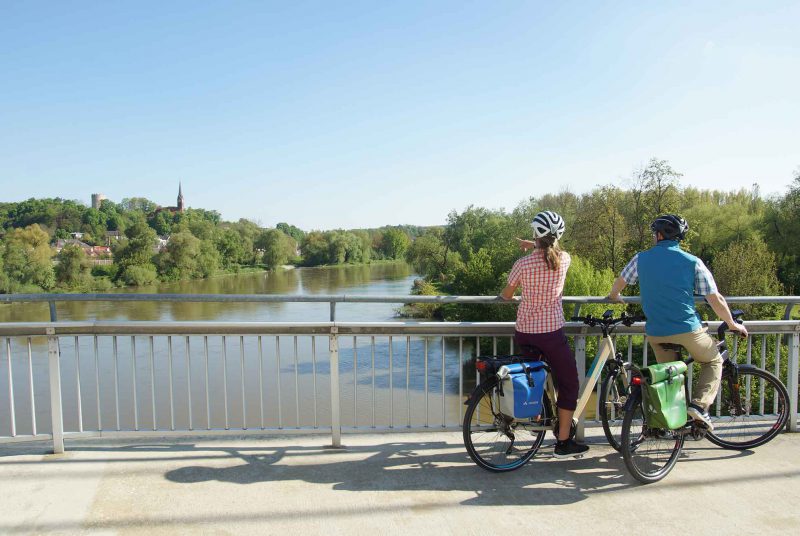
105,270
136,275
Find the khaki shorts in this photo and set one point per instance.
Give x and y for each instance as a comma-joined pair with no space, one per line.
703,348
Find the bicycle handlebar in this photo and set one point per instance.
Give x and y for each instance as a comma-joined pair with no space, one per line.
737,317
608,320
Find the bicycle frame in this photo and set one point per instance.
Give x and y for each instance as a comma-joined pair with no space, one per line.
605,350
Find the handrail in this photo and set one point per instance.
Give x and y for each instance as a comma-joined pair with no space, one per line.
332,299
104,327
339,298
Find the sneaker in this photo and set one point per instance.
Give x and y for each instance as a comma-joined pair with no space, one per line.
699,414
569,449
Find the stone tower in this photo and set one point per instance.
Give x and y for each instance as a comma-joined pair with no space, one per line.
97,200
180,198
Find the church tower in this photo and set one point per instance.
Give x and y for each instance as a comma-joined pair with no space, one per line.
180,198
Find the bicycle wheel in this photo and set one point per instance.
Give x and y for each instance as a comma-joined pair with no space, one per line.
649,453
613,395
494,441
751,410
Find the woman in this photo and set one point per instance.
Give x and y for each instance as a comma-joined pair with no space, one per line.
540,317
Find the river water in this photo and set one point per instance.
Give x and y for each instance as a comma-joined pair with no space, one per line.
182,383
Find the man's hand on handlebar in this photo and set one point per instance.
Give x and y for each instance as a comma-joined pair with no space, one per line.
739,328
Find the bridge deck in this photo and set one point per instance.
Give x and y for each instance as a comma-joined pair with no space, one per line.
383,484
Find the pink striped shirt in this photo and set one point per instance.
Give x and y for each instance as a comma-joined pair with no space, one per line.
540,310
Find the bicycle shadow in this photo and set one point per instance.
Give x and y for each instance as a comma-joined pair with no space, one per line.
431,466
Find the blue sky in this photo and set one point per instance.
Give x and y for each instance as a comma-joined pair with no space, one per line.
359,114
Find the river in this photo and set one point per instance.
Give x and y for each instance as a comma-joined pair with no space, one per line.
374,279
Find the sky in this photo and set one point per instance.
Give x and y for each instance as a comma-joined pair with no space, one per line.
362,114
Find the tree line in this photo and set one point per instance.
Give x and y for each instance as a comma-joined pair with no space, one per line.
751,243
199,244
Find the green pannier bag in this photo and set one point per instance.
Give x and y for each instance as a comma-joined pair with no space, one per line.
664,395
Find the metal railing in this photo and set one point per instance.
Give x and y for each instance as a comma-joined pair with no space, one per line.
95,378
789,302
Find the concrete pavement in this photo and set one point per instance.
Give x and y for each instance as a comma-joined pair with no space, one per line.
420,483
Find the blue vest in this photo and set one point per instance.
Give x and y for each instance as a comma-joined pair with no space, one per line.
666,284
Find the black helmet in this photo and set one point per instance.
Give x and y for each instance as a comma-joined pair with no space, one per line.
671,227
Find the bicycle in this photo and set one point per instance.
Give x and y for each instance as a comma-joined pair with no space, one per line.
651,453
498,442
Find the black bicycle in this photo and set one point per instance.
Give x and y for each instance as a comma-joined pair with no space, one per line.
752,408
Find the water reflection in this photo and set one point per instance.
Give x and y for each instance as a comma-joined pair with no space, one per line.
375,279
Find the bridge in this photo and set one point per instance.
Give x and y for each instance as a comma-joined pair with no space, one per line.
231,424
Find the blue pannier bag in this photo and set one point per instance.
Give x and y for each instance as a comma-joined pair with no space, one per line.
522,389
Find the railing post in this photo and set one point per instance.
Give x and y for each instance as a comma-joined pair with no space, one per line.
55,391
333,311
792,380
336,425
580,360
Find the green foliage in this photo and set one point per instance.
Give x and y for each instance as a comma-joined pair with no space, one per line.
278,248
179,260
138,275
27,259
291,230
782,232
137,248
394,243
747,268
231,247
583,279
73,270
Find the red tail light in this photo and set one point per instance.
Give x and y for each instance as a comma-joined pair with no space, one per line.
481,366
636,380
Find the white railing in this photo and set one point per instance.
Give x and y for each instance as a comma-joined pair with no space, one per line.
83,379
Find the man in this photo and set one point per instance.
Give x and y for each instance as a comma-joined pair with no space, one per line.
668,280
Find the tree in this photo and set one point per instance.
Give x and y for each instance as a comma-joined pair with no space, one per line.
748,269
179,260
600,230
28,258
395,243
230,246
315,249
73,269
291,230
277,246
134,255
782,231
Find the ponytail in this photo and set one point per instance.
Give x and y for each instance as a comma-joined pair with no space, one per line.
552,253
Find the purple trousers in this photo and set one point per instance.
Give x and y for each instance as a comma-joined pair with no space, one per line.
558,355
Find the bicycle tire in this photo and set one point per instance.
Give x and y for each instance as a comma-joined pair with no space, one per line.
485,433
613,395
736,425
649,454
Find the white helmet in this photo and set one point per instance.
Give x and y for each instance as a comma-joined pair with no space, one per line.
547,223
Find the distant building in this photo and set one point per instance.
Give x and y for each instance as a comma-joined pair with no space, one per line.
161,244
95,254
179,208
97,200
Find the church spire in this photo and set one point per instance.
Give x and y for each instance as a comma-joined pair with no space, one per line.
180,198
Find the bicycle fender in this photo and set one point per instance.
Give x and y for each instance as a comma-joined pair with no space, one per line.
634,398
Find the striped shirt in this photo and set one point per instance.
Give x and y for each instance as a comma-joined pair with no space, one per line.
540,310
